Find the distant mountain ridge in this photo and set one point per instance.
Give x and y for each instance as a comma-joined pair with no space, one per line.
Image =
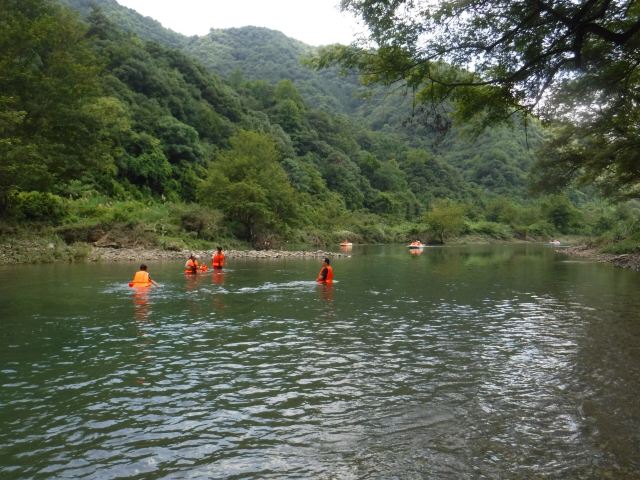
257,53
130,20
260,54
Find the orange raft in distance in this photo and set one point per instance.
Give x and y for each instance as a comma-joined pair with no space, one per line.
415,245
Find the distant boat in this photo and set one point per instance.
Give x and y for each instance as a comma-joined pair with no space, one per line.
415,245
346,244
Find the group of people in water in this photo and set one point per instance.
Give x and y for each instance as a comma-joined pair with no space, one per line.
192,267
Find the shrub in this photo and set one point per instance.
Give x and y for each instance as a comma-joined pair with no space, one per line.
39,206
628,245
204,223
540,229
491,229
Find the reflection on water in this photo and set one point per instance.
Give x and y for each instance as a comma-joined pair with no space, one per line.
485,362
218,277
326,291
141,304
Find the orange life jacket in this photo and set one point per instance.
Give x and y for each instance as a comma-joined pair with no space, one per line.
141,279
329,278
191,266
218,260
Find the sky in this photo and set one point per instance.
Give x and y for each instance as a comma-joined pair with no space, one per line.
315,22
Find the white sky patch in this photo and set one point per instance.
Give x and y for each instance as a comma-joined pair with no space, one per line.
315,22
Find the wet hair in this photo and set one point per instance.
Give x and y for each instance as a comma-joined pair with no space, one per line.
219,249
327,261
143,267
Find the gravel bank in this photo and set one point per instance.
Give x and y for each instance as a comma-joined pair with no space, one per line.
101,254
626,260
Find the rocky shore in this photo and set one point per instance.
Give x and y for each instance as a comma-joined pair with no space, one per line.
625,260
35,250
102,254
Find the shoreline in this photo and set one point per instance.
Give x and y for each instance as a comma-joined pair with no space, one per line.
33,251
622,260
24,251
111,255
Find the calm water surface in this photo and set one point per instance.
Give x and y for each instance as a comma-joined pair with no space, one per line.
475,362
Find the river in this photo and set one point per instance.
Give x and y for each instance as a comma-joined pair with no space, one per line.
471,362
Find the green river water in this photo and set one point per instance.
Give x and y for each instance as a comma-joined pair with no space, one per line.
503,362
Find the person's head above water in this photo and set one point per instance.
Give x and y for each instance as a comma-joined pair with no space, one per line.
143,267
219,249
327,261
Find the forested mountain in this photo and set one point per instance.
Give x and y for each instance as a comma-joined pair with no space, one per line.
104,116
128,19
259,54
256,53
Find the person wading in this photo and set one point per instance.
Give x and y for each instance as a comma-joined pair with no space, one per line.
192,265
217,261
142,278
326,272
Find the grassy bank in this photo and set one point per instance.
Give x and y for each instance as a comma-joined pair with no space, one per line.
47,228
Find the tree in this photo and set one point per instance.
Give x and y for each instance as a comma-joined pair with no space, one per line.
250,186
562,214
445,219
53,117
572,61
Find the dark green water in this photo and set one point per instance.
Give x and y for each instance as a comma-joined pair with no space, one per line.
462,363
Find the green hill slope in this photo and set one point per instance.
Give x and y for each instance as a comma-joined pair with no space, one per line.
258,158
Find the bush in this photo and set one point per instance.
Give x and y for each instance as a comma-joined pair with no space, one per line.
628,245
172,244
38,206
540,229
491,229
202,222
341,235
374,233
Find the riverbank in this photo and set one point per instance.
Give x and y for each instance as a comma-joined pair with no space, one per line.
100,254
624,260
48,250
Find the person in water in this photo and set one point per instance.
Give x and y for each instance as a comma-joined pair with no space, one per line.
326,272
142,278
217,260
192,265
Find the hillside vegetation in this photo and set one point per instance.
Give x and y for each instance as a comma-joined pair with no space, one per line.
111,139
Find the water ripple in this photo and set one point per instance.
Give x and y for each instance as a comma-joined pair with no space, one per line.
397,386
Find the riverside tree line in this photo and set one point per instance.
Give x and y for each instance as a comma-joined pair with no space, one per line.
108,137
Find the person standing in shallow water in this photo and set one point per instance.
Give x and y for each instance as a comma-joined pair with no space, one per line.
326,272
142,278
217,260
192,265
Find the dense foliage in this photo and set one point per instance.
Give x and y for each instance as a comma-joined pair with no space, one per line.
108,138
573,62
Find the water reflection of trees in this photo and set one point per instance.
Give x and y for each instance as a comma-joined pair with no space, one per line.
452,261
